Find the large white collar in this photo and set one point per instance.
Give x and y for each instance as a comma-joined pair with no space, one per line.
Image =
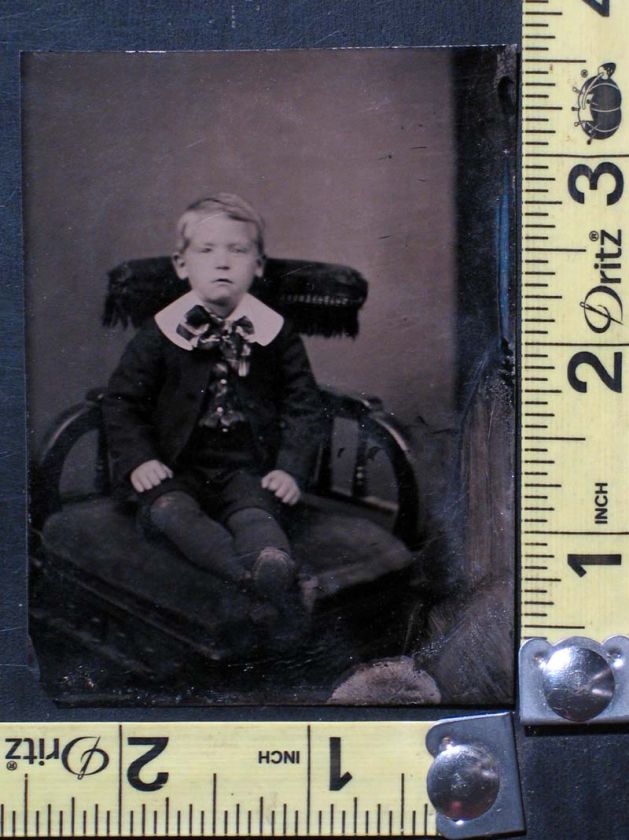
266,321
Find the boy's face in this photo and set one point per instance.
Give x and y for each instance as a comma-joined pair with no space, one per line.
220,261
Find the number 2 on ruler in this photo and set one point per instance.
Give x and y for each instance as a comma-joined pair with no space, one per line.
600,6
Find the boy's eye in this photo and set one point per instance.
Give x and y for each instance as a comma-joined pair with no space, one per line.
239,249
207,249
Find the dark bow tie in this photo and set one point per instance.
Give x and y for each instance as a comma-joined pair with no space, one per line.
205,330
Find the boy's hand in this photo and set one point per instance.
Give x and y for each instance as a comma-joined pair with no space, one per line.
283,485
149,474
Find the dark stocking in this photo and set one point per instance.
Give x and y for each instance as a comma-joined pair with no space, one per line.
203,541
254,530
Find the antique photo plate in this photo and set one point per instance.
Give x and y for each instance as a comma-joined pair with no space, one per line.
386,181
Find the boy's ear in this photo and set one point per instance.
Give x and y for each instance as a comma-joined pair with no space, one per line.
261,262
179,264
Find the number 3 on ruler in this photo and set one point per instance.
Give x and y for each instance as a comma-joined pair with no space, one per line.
600,6
606,168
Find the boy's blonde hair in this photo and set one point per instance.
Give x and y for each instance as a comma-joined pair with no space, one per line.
226,203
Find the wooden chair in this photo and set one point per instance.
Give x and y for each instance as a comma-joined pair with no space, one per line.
141,606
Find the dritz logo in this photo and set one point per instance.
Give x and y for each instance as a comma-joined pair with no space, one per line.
81,756
598,104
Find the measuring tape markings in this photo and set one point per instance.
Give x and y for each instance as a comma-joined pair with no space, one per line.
574,458
143,779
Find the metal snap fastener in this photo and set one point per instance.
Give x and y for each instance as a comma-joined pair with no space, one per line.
463,781
578,683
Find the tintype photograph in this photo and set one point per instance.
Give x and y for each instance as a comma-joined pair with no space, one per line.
269,334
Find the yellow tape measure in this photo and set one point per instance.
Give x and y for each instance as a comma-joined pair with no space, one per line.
215,779
574,340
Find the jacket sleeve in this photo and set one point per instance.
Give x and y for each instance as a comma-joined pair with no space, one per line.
129,403
302,418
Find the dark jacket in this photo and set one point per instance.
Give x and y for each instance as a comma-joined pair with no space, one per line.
156,395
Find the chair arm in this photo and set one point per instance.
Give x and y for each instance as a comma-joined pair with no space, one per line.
366,411
385,430
350,402
47,466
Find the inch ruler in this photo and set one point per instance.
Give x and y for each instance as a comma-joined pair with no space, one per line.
457,778
215,779
574,306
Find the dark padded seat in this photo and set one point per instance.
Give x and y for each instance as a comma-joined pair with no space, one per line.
97,540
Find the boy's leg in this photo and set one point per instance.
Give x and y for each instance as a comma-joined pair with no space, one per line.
206,543
253,530
253,516
263,547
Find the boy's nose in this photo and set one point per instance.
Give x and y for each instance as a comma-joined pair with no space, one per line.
222,261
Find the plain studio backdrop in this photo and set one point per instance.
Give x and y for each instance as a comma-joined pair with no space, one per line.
348,154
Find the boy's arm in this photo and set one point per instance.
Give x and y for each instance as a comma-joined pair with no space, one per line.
129,403
301,410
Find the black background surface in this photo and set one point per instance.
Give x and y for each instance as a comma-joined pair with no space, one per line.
574,782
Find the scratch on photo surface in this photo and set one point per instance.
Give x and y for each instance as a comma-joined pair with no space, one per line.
8,16
11,195
296,270
325,37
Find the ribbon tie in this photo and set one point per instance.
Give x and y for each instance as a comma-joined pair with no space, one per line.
206,330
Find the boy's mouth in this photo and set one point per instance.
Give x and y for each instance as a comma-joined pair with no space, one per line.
223,280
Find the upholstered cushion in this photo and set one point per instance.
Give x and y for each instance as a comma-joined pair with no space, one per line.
100,540
319,298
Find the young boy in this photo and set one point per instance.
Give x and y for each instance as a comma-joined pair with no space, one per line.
213,416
